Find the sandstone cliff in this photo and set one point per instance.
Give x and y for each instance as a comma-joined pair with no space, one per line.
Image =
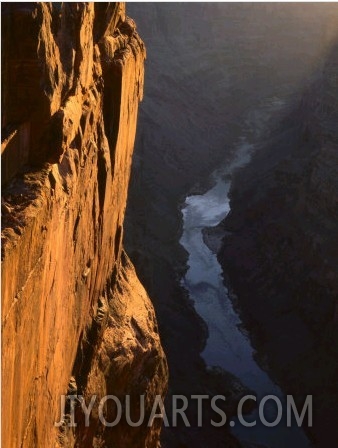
72,305
281,255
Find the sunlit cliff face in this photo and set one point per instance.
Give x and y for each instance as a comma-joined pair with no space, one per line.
72,77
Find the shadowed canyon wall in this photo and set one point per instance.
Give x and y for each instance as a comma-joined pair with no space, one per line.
282,250
213,72
74,314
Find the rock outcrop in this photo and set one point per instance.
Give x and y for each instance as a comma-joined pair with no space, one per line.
281,255
74,314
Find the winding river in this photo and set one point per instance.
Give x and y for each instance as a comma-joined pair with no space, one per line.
227,346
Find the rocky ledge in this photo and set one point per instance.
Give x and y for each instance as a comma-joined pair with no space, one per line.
74,314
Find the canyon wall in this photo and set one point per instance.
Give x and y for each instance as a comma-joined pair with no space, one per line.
74,315
213,74
281,255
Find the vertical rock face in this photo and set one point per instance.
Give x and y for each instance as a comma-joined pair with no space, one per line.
72,306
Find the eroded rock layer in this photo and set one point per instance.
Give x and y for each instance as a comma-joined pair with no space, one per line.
72,306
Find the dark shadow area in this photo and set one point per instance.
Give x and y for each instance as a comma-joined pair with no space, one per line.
216,75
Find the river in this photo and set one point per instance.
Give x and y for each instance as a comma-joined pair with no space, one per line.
228,346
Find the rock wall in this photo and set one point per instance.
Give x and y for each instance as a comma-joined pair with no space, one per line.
281,255
72,306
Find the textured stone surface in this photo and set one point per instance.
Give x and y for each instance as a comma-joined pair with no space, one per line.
127,360
73,78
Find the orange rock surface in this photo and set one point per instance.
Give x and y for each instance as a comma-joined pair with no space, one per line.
72,306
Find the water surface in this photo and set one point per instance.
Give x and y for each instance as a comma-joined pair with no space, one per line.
227,345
